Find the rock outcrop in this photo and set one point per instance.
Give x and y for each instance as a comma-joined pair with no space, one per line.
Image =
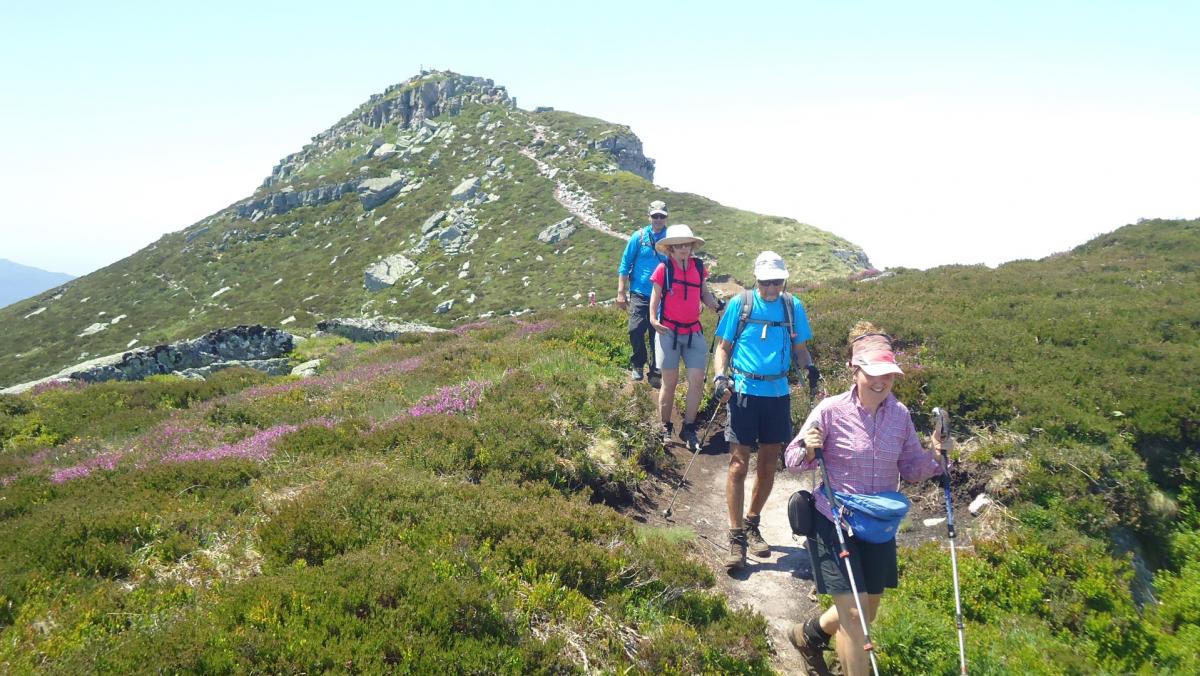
374,329
252,346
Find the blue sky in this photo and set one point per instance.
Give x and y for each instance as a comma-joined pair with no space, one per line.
929,134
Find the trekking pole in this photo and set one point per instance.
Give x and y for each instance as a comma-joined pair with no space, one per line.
845,556
668,511
941,424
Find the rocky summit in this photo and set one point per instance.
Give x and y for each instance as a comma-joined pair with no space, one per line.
437,201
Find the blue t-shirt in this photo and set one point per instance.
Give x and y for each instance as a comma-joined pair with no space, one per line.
763,355
639,260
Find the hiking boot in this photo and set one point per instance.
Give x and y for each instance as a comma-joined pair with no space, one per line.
635,374
737,549
814,660
668,433
754,539
688,434
655,378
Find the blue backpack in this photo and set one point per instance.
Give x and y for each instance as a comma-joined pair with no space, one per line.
873,517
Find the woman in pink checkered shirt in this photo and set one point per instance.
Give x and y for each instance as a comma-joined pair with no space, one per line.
869,443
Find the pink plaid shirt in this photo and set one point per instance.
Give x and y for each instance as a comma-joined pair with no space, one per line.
864,453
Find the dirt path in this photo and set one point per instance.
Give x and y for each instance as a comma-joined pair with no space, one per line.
775,586
569,194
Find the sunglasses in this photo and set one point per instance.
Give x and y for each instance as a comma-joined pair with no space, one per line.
658,217
770,282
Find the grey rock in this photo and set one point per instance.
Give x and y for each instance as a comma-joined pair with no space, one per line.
284,201
465,190
241,343
375,191
308,369
385,273
558,232
374,329
444,307
626,149
432,222
276,367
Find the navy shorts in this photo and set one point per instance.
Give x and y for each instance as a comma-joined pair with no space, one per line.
874,565
759,420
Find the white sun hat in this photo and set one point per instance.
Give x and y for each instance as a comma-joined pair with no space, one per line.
678,234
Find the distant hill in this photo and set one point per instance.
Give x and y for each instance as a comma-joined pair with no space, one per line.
18,281
438,200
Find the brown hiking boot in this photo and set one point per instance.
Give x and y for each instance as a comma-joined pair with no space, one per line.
814,661
737,549
754,539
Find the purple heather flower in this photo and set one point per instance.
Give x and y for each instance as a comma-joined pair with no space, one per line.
255,447
534,327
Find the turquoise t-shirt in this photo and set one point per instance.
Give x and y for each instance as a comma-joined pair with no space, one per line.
763,355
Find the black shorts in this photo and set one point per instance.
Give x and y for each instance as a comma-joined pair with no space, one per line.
639,313
759,420
874,565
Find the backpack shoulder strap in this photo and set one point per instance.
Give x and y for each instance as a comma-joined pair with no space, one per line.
747,297
788,316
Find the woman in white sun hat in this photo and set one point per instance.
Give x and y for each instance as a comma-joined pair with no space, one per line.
679,287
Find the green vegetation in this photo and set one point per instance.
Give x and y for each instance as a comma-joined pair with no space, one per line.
437,503
1086,364
308,263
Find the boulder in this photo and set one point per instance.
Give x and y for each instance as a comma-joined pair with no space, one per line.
444,307
557,232
466,190
374,329
432,222
250,343
375,191
308,369
385,273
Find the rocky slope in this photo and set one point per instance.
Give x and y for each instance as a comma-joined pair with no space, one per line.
437,201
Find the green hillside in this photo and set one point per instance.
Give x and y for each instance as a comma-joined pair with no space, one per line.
370,187
445,502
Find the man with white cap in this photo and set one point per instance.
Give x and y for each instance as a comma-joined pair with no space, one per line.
633,289
760,337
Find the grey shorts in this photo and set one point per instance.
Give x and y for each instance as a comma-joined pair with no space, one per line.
667,351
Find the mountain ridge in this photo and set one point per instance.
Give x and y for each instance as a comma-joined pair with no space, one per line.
471,206
19,281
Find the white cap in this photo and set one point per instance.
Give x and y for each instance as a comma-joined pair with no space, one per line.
769,265
658,207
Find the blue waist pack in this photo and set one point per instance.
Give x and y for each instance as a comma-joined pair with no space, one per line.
873,517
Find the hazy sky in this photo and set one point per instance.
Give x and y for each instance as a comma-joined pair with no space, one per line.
927,133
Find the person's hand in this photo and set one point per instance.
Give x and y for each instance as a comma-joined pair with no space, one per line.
659,327
940,444
721,390
623,301
813,439
720,306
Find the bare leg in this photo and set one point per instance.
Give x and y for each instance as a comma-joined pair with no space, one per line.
666,393
764,481
735,485
695,385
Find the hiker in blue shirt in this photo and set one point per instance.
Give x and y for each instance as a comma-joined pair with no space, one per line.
759,347
634,287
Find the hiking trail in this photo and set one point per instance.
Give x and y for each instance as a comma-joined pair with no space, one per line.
569,194
776,586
